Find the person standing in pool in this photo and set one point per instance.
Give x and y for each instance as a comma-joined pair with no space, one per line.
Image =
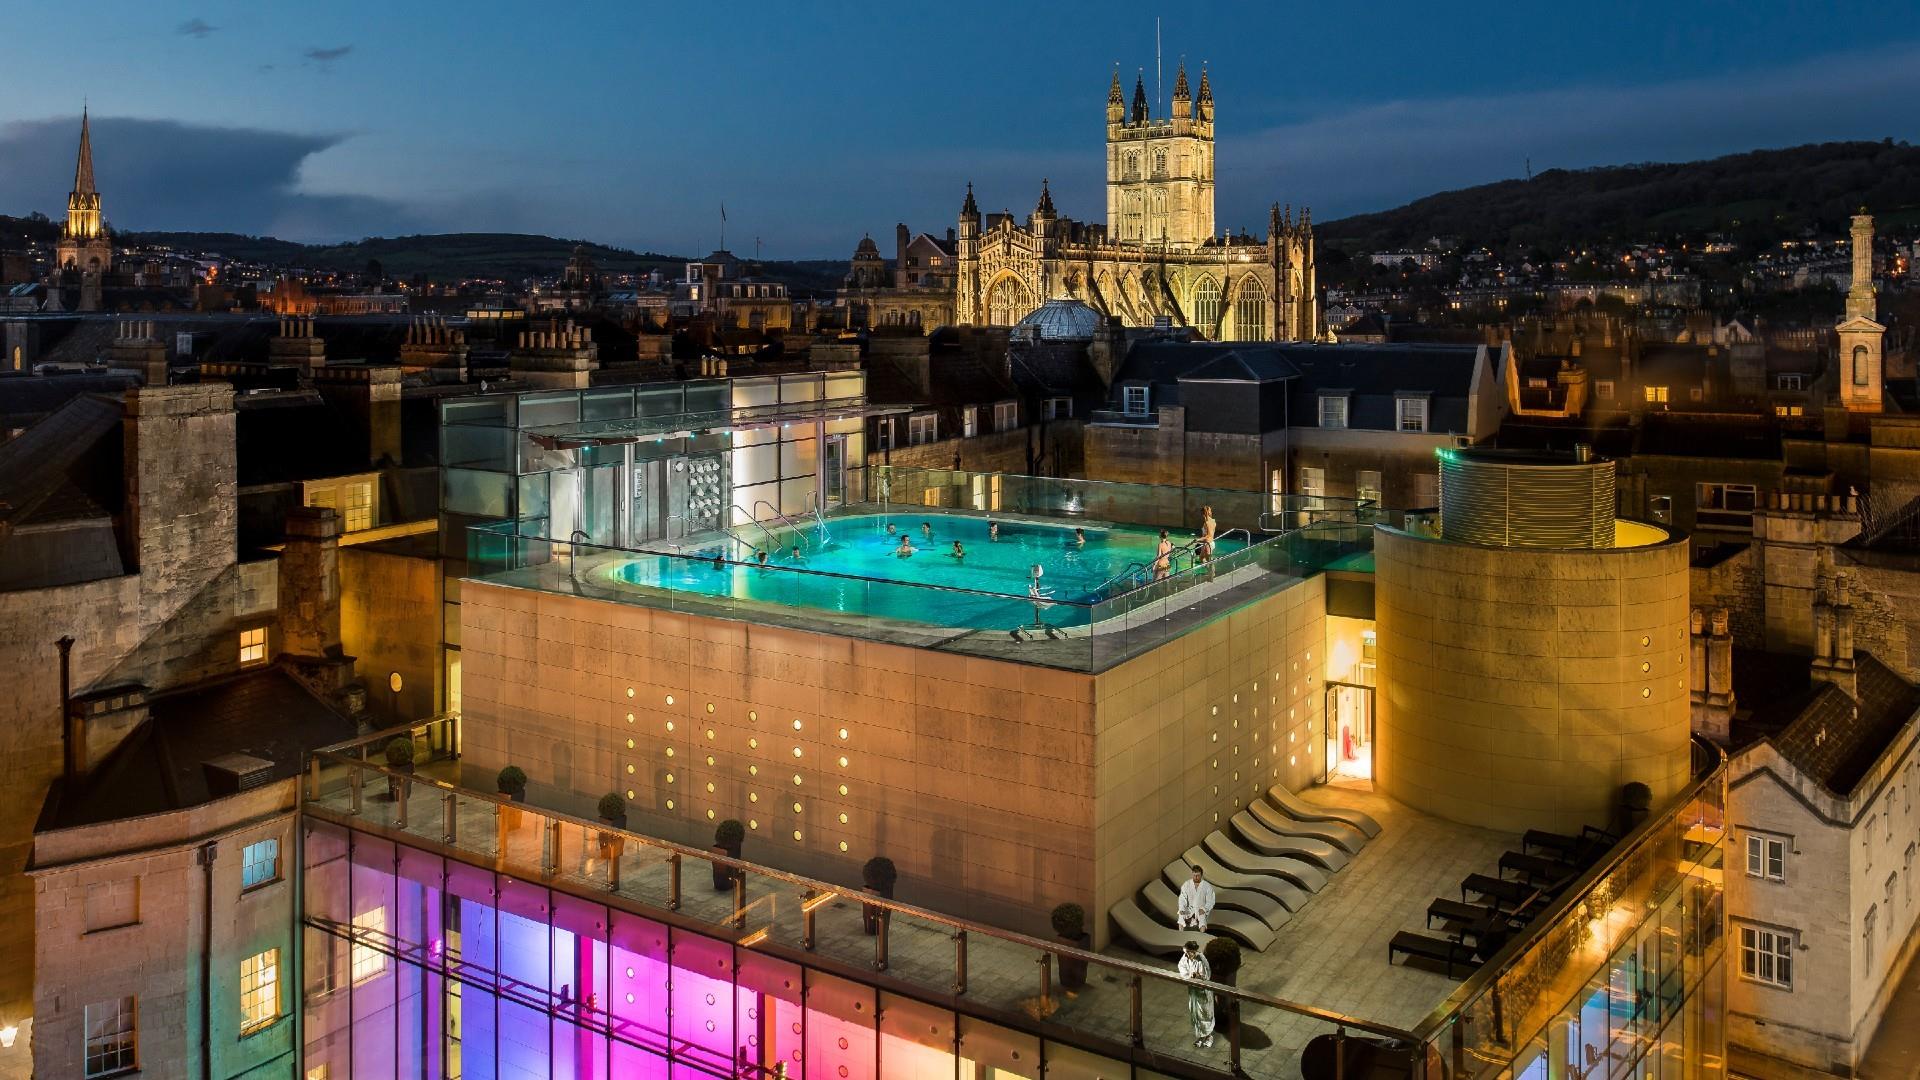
891,529
905,550
796,556
926,530
958,552
993,531
1079,537
760,557
719,562
1163,557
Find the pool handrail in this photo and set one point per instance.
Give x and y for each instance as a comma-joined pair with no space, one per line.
773,545
783,519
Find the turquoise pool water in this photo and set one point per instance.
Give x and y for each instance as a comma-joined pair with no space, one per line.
858,571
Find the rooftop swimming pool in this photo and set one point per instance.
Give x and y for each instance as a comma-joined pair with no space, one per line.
856,566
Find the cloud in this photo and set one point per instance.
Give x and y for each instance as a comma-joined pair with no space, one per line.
195,27
166,175
1380,155
326,57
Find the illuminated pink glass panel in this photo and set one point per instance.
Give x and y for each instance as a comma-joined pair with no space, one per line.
840,1029
702,1022
768,1016
637,1002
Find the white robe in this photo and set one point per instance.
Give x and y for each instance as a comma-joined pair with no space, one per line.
1196,904
1199,1000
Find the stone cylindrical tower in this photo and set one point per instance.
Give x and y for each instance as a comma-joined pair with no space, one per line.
1522,685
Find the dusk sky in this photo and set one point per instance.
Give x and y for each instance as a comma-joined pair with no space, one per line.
629,124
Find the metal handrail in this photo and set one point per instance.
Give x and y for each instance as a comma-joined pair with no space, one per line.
868,899
783,519
772,544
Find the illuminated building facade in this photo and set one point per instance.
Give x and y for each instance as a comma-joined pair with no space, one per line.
83,247
1158,256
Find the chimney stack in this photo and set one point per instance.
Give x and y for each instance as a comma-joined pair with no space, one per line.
1833,660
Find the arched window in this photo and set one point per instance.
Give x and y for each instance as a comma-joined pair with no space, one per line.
1250,313
1861,377
1007,302
1159,163
1133,164
1157,219
1206,305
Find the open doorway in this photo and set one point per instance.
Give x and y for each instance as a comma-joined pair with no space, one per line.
1349,714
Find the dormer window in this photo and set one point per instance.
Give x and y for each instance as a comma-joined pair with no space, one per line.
1134,400
1333,411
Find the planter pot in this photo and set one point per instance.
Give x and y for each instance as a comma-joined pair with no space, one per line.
1073,970
870,915
516,796
722,875
1226,1010
611,843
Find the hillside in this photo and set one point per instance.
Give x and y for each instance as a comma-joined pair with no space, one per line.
1755,198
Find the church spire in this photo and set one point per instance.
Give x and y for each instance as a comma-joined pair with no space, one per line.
1182,100
1045,209
83,168
1205,100
1140,98
1116,101
970,209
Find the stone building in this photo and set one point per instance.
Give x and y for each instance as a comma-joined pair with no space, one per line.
119,522
84,255
916,291
1159,256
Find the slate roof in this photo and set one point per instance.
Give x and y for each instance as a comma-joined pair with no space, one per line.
266,714
1815,725
66,466
26,398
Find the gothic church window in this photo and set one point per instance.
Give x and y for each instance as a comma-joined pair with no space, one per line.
1159,163
1206,305
1133,165
1250,314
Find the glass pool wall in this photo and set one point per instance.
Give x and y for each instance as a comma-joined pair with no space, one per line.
422,967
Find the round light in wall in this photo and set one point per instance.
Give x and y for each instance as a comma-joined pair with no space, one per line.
843,789
796,751
796,725
1214,737
1256,686
1216,789
629,794
1646,665
629,770
796,779
709,759
1236,699
629,718
843,733
1645,641
630,694
843,845
1291,760
629,975
753,770
1216,711
629,744
669,804
669,725
669,699
669,778
753,796
709,734
629,999
709,815
796,808
753,744
796,834
669,751
843,819
709,787
1646,691
753,714
843,761
709,706
753,823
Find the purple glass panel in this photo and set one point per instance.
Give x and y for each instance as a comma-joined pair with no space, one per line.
840,1029
702,1024
768,1016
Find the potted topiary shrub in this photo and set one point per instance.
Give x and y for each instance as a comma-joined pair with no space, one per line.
1636,799
1070,925
613,810
1223,959
399,753
727,838
878,875
512,783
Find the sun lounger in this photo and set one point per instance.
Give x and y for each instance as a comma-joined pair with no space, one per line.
1533,867
1303,874
1339,834
1281,889
1450,954
1149,936
1508,893
1310,811
1267,842
1549,841
1258,904
1251,932
1457,911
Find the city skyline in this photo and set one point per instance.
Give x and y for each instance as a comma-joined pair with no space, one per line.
214,119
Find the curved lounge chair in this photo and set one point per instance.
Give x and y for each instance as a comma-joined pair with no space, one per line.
1306,811
1267,842
1301,873
1258,904
1253,933
1149,936
1281,889
1340,835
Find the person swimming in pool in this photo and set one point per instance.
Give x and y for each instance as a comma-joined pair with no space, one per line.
1163,557
905,550
760,557
1079,538
993,531
958,552
926,530
719,562
796,556
892,529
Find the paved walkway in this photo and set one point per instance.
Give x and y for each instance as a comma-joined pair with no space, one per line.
1894,1053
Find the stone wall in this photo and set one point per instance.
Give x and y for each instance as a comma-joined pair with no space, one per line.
1126,454
1521,688
999,789
994,451
390,621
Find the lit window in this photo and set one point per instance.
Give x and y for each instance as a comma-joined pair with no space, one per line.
1333,411
367,960
359,509
921,429
1366,485
260,863
1603,389
1656,395
1766,956
970,421
259,990
1006,415
1313,482
1412,414
1766,857
111,1037
253,645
